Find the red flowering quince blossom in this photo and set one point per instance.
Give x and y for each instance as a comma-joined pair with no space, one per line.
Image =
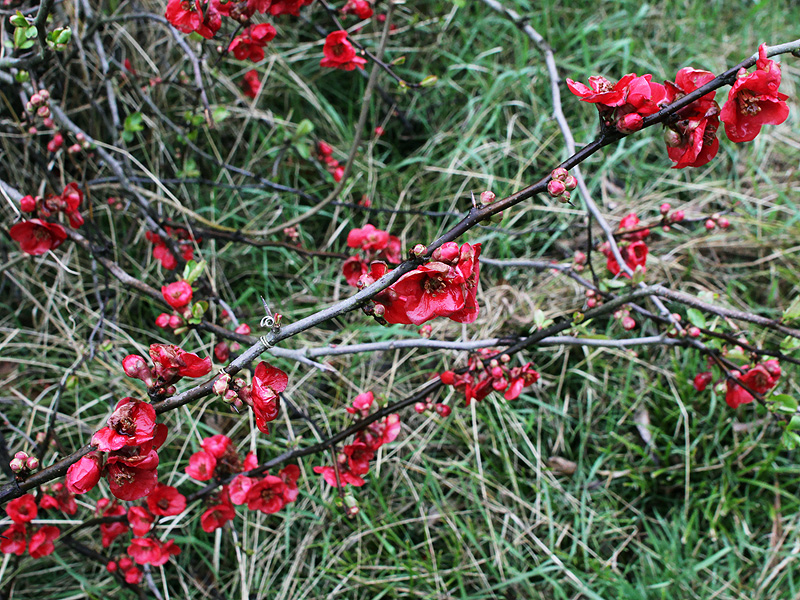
165,501
754,100
14,540
760,379
23,509
287,7
625,103
701,380
444,287
110,531
131,424
140,520
36,237
631,228
486,374
251,83
129,483
249,45
361,8
41,542
217,445
216,516
691,136
187,16
172,362
201,466
346,477
368,238
62,499
268,382
340,53
83,475
634,255
149,551
266,495
178,294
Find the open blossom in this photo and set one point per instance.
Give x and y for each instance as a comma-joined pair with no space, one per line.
83,475
172,362
41,542
754,100
201,466
216,516
131,424
760,379
166,500
62,499
340,54
217,445
249,45
37,237
14,540
149,551
23,509
140,520
268,382
634,255
110,531
130,483
266,495
251,83
444,287
486,374
625,103
368,238
692,137
177,294
361,8
187,16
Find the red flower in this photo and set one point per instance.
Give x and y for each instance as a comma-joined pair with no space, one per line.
631,223
129,483
692,137
754,100
268,382
266,495
23,509
368,238
201,466
64,500
110,531
251,83
345,476
239,487
521,377
131,424
760,379
216,445
41,542
352,269
184,15
216,516
701,380
171,362
166,500
625,103
250,43
358,457
361,404
602,91
140,520
340,54
634,254
36,237
445,287
133,575
287,7
14,540
177,294
289,474
149,551
361,8
83,475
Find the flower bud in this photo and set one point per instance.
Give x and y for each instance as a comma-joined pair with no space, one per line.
44,95
23,456
419,251
505,358
487,197
694,332
175,321
237,404
111,566
49,123
570,182
630,123
564,198
556,187
447,252
723,222
425,331
710,225
43,111
125,563
443,409
27,204
379,310
36,100
628,323
559,174
664,208
221,384
677,216
243,329
591,302
239,382
230,396
579,258
162,321
33,130
420,407
16,465
32,463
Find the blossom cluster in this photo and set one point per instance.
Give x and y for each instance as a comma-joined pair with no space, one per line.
353,461
22,535
632,246
263,395
325,154
375,244
691,135
759,378
163,254
486,374
444,287
219,459
37,236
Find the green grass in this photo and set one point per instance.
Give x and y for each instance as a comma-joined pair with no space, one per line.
466,507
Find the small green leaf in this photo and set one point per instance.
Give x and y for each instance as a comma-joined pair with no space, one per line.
193,270
219,114
19,37
199,309
19,20
31,32
429,81
696,318
792,312
22,77
784,403
304,127
791,440
303,150
794,424
65,36
133,122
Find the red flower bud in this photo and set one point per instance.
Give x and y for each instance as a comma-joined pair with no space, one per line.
556,188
